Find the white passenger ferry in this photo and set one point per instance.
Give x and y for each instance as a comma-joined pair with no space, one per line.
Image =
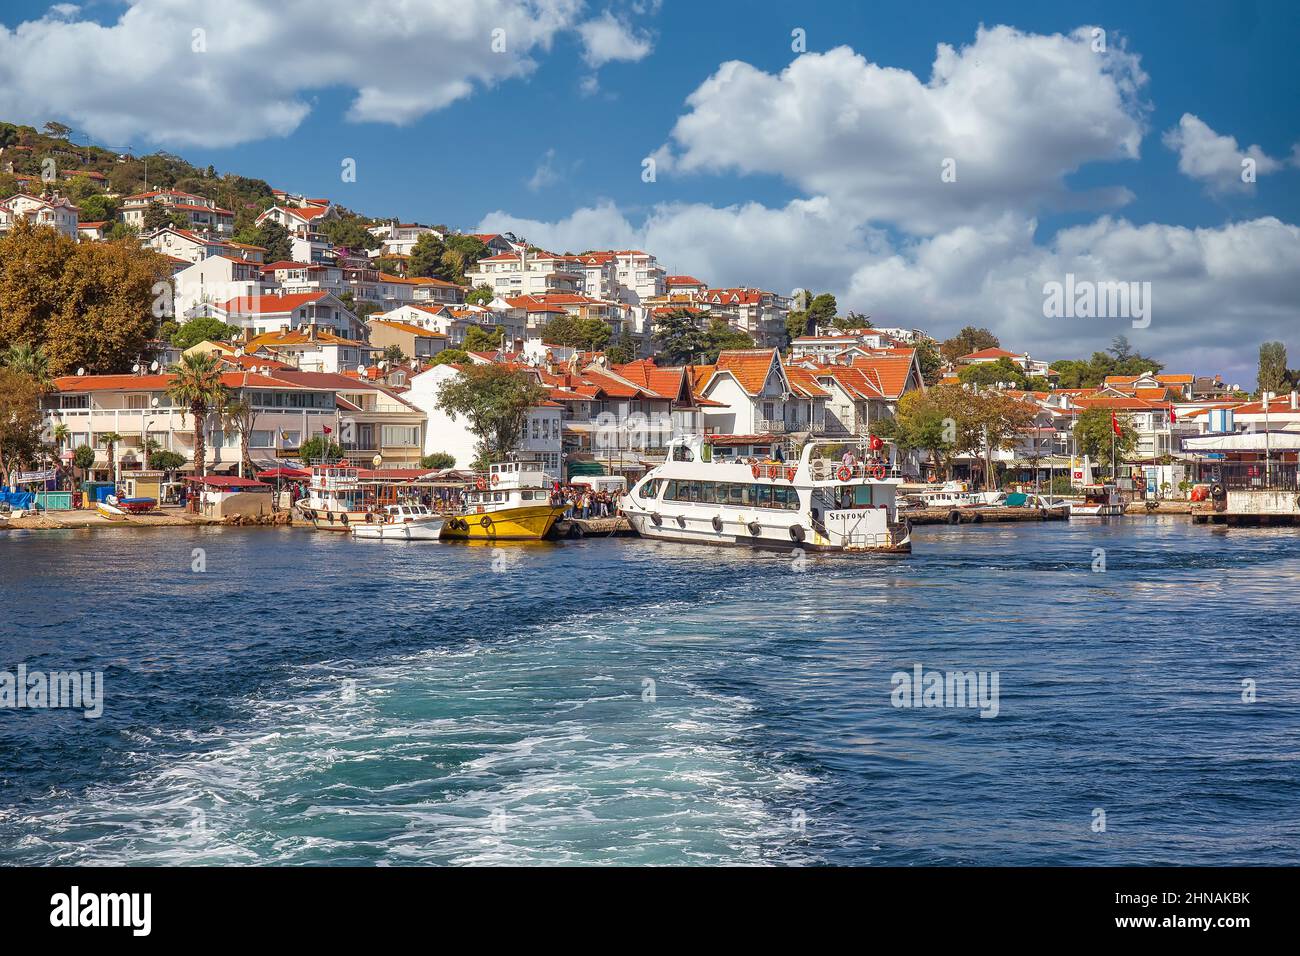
335,499
821,502
1099,501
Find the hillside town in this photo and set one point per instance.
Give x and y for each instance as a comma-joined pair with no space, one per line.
339,334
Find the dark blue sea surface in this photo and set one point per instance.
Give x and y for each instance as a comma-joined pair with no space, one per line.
310,699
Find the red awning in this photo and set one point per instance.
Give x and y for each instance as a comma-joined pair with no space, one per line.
271,474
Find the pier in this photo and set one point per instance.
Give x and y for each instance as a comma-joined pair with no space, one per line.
592,527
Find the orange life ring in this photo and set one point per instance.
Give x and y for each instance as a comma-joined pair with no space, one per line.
845,473
877,472
496,479
480,484
756,470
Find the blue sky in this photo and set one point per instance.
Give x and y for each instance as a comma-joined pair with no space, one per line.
1231,65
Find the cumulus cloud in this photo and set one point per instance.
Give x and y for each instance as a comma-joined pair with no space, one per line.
251,71
1217,160
1015,113
607,39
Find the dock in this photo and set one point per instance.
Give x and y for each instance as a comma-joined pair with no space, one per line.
990,514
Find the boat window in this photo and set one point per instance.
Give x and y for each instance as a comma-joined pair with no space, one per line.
526,495
682,453
650,489
862,496
735,494
497,496
708,492
670,494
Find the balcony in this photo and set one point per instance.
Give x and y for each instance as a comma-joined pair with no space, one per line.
769,426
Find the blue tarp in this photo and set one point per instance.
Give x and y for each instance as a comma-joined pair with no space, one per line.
19,499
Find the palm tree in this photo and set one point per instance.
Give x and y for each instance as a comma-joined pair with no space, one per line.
111,439
33,361
240,417
60,435
196,388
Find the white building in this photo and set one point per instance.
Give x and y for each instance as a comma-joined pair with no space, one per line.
56,212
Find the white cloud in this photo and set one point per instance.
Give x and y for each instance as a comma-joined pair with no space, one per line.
607,39
1016,112
1215,160
546,173
141,77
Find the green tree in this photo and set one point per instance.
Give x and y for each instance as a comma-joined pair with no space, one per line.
720,337
349,231
157,216
1093,434
426,257
319,448
57,130
1273,373
97,208
591,335
480,295
930,361
479,339
83,458
623,351
922,422
680,339
24,358
196,387
394,355
439,460
1001,372
163,460
272,237
450,356
969,339
203,328
494,401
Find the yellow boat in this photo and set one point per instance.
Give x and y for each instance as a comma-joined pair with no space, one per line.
512,502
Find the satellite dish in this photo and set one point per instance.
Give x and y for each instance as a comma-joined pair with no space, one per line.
154,365
81,371
135,367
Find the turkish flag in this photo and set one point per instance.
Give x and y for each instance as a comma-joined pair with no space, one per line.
1173,416
1114,425
327,429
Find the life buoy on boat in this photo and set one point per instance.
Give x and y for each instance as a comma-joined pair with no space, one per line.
717,522
845,473
496,479
755,470
480,484
876,472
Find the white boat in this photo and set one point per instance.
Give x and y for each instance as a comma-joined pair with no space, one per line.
402,522
821,502
952,494
1098,501
335,499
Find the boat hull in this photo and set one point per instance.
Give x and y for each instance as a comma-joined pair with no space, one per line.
509,524
736,533
1096,511
423,530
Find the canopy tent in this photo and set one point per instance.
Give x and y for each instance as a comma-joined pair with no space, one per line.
284,474
585,468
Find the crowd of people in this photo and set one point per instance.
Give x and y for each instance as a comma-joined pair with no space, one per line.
582,502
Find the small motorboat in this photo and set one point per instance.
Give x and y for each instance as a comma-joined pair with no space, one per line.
114,507
407,522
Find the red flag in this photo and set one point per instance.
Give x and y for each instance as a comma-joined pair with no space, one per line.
1114,425
327,429
1173,416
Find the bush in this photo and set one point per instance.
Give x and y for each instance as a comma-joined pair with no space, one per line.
438,459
